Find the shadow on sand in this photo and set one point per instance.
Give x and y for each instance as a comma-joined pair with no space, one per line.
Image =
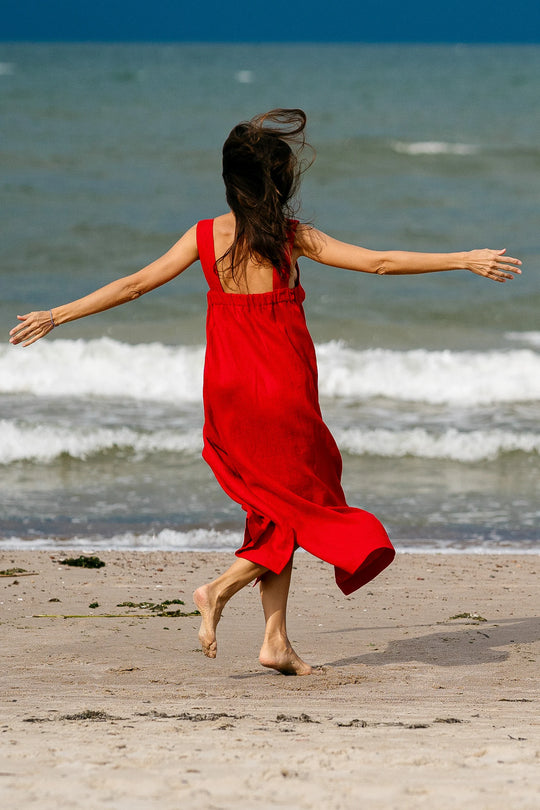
470,645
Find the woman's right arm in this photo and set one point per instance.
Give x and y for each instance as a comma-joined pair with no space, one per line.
36,325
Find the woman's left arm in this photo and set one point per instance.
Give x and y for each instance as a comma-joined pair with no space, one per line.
36,325
320,247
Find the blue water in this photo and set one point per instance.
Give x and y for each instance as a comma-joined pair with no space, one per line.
431,384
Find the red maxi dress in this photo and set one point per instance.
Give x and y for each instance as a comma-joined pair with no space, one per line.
264,436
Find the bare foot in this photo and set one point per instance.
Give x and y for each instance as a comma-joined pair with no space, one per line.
283,658
210,615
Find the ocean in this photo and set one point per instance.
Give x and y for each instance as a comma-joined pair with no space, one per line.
430,384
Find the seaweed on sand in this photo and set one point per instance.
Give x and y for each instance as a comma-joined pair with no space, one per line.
17,572
83,562
474,616
160,608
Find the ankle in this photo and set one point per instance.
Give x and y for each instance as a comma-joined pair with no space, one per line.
276,638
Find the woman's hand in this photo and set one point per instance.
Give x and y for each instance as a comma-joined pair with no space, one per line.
492,264
33,326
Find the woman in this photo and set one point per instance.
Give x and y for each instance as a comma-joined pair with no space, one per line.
264,436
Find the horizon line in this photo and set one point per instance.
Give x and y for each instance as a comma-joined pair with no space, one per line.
264,42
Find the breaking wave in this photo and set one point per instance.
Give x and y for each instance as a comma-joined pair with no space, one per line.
45,443
153,371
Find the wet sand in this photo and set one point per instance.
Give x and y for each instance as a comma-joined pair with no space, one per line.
117,707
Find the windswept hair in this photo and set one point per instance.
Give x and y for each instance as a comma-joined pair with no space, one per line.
261,170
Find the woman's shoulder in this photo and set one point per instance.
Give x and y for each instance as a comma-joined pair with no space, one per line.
304,233
224,224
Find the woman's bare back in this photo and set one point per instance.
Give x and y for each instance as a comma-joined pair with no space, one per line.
255,277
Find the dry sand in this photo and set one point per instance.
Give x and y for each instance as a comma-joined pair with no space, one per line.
412,709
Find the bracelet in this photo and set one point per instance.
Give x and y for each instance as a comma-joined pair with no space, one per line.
52,319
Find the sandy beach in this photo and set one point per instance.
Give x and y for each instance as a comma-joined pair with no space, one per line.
427,694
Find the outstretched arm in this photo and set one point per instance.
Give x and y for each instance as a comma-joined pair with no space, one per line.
320,247
36,325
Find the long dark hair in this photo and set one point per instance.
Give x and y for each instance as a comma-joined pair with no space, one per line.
261,171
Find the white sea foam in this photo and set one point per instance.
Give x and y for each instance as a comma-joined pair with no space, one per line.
437,377
454,445
532,338
165,540
244,76
212,540
449,547
104,368
434,148
153,371
45,443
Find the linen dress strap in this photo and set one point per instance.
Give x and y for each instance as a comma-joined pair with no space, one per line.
207,254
